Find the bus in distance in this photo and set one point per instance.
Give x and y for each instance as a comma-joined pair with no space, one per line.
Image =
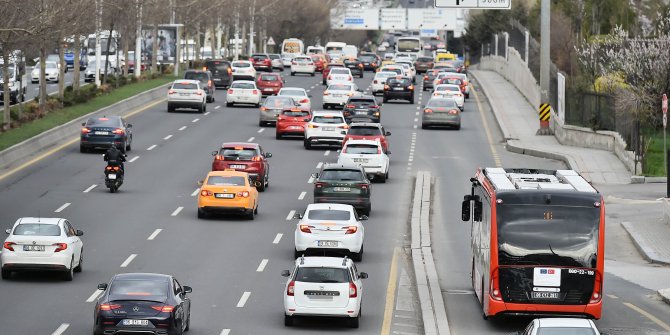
409,45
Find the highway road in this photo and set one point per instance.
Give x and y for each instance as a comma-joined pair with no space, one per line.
151,224
32,90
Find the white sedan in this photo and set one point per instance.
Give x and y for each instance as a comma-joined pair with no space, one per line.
243,92
379,81
330,227
51,73
303,64
46,244
572,326
368,154
450,90
337,94
339,74
243,69
299,95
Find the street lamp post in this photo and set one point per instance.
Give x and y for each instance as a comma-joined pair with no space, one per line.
98,29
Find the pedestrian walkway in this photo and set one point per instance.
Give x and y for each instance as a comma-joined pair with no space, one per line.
519,121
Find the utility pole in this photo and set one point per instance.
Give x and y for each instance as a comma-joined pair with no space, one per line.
98,29
545,62
237,31
138,41
252,11
172,11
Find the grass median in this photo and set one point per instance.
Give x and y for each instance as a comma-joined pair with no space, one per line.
67,114
654,159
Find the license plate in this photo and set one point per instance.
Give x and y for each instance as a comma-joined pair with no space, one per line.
361,112
328,128
131,322
341,189
111,176
361,160
294,127
545,295
184,94
267,89
33,248
101,133
236,166
224,195
330,244
398,88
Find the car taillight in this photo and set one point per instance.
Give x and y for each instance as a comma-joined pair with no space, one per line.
494,289
263,109
172,92
279,118
363,186
330,77
199,93
85,130
294,63
290,290
597,289
453,112
230,71
351,78
230,91
206,193
386,87
243,194
254,92
9,246
360,65
326,93
375,82
353,290
374,64
306,228
218,158
350,106
164,308
312,126
411,87
209,83
304,101
256,158
60,246
459,94
428,111
118,131
374,107
436,94
425,77
343,126
319,185
351,230
350,94
109,307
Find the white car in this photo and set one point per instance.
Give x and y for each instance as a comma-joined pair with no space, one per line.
409,70
51,73
243,70
330,227
339,74
325,128
338,93
303,64
243,92
368,154
464,78
277,62
379,81
299,95
185,93
324,286
89,73
49,244
450,90
286,60
397,69
388,55
572,326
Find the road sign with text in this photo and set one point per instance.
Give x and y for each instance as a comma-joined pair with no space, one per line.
474,4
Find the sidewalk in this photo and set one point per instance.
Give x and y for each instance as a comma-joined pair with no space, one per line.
518,121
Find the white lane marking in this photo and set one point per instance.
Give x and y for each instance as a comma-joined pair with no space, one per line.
318,166
310,180
326,153
154,234
128,260
195,192
225,332
61,329
261,130
418,107
61,208
182,128
251,139
415,127
290,215
277,238
217,107
151,147
176,211
302,195
133,159
243,299
94,296
167,137
261,266
195,120
411,159
206,113
416,119
90,188
417,114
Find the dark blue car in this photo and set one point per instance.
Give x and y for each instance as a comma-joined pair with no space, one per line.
101,132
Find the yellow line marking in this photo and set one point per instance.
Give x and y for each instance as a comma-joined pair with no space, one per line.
649,316
494,152
66,144
390,294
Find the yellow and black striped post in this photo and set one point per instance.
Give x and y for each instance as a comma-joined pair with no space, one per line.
545,114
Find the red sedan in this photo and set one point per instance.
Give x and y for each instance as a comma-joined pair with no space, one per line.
292,122
269,83
246,157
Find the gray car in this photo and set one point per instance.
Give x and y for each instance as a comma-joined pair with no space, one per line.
441,112
272,107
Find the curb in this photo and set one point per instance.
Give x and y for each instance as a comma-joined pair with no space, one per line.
647,252
665,295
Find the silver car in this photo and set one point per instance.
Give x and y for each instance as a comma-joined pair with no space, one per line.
441,112
272,107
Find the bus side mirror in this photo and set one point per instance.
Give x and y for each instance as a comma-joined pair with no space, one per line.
465,208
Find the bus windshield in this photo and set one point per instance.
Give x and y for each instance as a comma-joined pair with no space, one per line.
409,45
548,235
103,46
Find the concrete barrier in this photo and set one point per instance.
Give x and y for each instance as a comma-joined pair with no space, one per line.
52,138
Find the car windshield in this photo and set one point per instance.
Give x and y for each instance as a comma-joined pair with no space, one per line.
342,174
302,59
275,56
361,102
339,71
448,88
362,149
293,93
364,131
424,59
328,214
441,103
297,113
139,289
2,72
37,229
396,81
218,66
340,87
225,181
322,275
238,153
185,86
275,102
328,119
103,122
248,86
384,75
368,58
565,331
454,81
259,57
269,77
200,76
396,71
241,64
50,65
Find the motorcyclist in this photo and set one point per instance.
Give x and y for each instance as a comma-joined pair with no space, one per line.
115,157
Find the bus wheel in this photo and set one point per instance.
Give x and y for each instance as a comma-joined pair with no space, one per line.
484,316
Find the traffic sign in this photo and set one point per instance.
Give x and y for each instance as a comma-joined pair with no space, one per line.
664,106
393,18
440,19
271,41
474,4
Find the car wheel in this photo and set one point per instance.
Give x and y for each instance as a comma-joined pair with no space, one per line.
69,274
82,149
458,127
325,106
385,100
262,187
251,215
388,172
467,95
312,74
357,256
368,210
188,322
81,262
382,178
354,322
6,274
170,109
201,213
292,74
424,126
262,124
278,136
323,82
229,104
123,148
308,144
288,321
129,146
361,76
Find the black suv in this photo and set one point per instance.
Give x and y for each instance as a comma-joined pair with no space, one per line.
399,88
362,109
205,78
370,61
343,184
222,74
355,66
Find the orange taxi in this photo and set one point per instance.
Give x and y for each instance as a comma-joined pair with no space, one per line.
228,192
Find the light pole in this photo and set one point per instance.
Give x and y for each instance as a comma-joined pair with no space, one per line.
138,40
252,12
98,29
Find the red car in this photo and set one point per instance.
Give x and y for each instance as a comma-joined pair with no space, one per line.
292,122
261,62
246,157
368,131
454,81
269,83
326,71
319,62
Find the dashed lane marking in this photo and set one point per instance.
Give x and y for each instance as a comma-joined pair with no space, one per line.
290,215
415,126
217,107
94,296
90,188
61,208
182,128
277,238
310,180
326,153
261,130
61,329
251,139
133,159
167,137
302,195
261,266
151,147
176,211
243,299
195,120
648,316
417,114
195,192
318,166
154,234
206,113
128,260
225,332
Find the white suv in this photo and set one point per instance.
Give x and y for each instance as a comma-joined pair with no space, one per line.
325,128
185,93
323,286
370,155
303,64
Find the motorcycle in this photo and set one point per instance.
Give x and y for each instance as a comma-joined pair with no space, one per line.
113,177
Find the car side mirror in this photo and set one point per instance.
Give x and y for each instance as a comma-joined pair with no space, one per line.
188,289
363,275
285,273
200,182
79,232
268,154
388,133
388,152
215,152
309,95
297,216
423,106
83,124
102,286
8,230
363,217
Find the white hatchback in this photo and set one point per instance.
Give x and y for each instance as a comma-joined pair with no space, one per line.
324,286
338,93
243,69
48,244
186,93
303,64
51,73
330,227
325,128
379,81
572,326
450,90
298,94
243,92
339,74
368,154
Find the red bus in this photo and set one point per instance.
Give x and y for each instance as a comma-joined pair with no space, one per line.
538,242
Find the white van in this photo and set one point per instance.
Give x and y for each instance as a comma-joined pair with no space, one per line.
315,50
350,51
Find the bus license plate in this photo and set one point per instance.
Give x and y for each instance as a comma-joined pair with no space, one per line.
131,322
545,295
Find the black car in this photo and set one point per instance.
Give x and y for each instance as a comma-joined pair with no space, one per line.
355,66
343,184
147,303
370,62
206,81
362,109
399,88
222,74
104,131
